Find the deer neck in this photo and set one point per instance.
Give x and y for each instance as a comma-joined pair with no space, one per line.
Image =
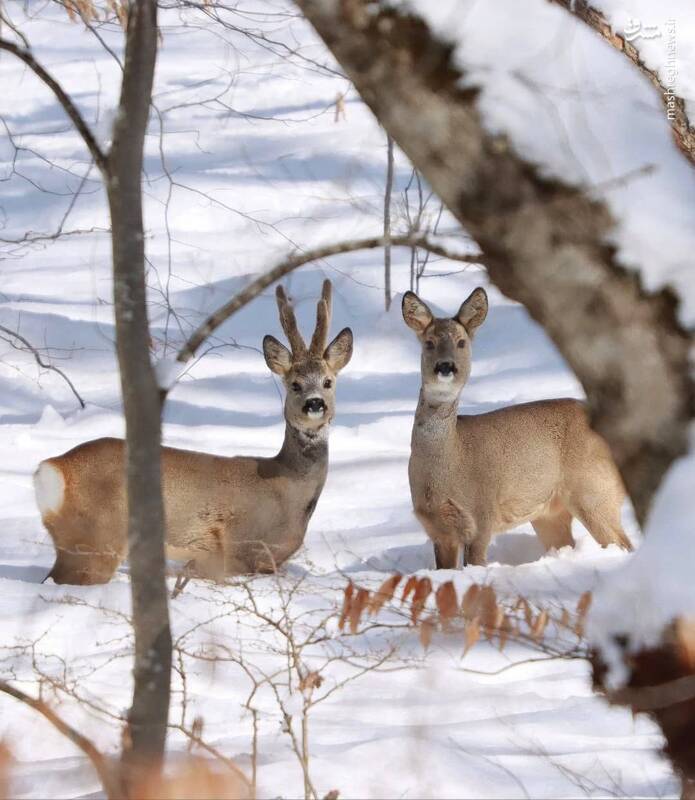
305,453
434,427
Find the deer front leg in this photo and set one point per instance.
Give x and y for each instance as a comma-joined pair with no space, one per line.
446,554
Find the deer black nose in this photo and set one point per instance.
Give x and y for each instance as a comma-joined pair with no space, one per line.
314,405
445,368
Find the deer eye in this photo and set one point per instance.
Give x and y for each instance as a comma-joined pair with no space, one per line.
327,383
461,342
429,344
296,387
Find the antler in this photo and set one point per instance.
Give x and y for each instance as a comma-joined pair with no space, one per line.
323,320
289,323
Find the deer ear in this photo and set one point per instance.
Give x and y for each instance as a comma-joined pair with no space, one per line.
339,351
416,313
277,356
473,310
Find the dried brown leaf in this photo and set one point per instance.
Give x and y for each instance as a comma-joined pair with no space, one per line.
356,609
447,602
409,588
583,605
422,592
427,628
6,762
384,593
472,634
504,635
312,680
470,604
528,614
539,625
347,602
488,607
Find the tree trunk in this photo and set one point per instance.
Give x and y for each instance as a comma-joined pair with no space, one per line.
148,716
387,222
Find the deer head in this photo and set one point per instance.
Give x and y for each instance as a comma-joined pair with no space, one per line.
446,343
309,373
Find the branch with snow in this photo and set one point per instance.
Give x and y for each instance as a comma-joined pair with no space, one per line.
292,262
677,115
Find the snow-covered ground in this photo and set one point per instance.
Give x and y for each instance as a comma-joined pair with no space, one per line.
255,165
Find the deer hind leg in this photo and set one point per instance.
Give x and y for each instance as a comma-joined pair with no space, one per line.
475,553
446,554
554,530
84,555
603,523
84,568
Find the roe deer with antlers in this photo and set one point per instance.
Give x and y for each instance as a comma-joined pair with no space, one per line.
477,475
226,516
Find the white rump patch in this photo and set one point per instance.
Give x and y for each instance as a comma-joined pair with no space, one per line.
49,487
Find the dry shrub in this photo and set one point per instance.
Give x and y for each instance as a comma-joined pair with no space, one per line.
195,779
480,612
88,11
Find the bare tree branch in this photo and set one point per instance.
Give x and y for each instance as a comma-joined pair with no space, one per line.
69,107
107,775
387,221
39,360
295,260
676,113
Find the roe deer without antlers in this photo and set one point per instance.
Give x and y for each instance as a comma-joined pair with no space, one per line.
477,475
226,516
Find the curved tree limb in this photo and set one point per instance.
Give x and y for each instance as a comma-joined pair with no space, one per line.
64,99
676,114
295,260
545,242
39,360
107,775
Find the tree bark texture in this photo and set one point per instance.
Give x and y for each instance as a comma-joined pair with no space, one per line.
148,716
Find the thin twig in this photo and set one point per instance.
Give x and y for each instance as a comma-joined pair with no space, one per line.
295,260
43,364
69,107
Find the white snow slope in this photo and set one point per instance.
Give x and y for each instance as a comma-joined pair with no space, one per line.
254,165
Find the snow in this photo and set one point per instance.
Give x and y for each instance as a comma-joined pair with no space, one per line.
245,191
